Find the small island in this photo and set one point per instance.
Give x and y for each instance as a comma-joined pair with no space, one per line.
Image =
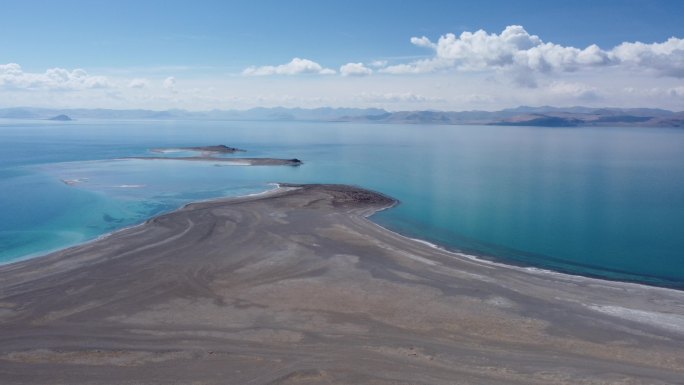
61,118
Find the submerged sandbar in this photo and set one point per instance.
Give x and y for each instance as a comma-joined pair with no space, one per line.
296,286
217,149
208,155
235,161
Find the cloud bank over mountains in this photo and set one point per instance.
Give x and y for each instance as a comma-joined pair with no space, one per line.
515,48
355,69
295,67
13,77
479,70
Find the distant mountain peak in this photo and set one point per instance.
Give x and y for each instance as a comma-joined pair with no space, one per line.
61,118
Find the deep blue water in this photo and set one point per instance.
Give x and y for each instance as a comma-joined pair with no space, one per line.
607,202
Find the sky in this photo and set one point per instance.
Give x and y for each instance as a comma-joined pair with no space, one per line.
397,55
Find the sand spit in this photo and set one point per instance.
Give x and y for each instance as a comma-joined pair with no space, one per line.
228,161
298,287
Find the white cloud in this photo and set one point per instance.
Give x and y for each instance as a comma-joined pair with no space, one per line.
170,83
139,83
295,67
417,67
12,76
10,69
378,63
515,49
473,70
396,97
666,58
355,69
423,42
577,91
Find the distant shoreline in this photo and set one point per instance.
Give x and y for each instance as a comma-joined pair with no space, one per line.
542,116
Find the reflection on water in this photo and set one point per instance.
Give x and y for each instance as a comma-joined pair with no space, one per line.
591,200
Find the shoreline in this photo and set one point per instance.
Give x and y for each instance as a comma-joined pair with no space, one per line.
505,263
41,254
299,286
457,254
498,262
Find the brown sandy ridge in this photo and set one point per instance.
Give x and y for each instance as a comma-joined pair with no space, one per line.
298,287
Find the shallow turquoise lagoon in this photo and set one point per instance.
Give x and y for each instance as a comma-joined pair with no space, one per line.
604,202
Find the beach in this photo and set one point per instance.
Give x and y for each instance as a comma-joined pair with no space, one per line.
297,286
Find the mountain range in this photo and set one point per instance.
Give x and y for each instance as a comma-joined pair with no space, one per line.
536,116
521,116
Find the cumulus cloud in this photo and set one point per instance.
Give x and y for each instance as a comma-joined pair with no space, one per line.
577,91
423,42
170,83
515,49
666,58
355,69
417,67
12,76
296,66
139,83
378,63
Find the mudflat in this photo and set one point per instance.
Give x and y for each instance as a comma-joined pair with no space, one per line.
296,286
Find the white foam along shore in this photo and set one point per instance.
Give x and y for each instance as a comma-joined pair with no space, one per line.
496,262
670,322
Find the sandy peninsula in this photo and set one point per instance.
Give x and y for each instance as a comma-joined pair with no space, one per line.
297,286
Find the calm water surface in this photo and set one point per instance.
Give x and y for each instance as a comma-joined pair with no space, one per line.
594,201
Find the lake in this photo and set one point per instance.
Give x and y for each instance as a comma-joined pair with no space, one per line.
605,202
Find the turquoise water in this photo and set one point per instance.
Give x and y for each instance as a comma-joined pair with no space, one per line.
604,202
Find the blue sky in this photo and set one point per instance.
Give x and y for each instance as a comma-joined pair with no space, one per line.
224,54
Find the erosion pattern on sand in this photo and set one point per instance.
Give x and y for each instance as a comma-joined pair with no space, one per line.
297,286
